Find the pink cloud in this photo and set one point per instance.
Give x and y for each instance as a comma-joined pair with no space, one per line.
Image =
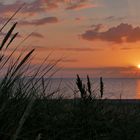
80,6
4,34
3,19
9,7
36,6
31,8
119,34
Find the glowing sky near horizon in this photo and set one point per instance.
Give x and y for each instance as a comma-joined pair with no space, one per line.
95,37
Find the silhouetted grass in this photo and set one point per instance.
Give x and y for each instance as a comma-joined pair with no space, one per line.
17,92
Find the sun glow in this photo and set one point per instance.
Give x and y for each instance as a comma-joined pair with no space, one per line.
138,66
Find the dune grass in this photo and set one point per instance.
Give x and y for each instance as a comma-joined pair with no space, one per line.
18,92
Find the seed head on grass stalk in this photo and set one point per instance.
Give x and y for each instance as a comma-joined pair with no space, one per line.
101,87
8,36
86,89
81,87
89,87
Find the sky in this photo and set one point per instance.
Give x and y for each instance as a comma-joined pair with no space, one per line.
95,37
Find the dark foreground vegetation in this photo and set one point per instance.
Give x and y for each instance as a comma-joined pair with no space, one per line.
28,110
68,120
71,120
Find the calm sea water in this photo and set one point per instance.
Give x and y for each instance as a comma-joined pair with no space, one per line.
114,88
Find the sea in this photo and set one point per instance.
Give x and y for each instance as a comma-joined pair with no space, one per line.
114,88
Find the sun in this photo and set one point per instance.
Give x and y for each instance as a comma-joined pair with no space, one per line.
138,66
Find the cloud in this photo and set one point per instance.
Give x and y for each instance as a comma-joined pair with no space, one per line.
40,21
80,6
78,49
69,4
79,18
69,60
97,27
35,34
32,7
113,18
53,4
4,34
3,20
37,6
8,7
119,34
126,48
117,71
72,49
